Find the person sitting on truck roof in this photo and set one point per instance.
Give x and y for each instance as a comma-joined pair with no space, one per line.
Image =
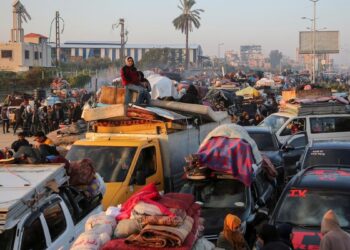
191,96
41,138
131,81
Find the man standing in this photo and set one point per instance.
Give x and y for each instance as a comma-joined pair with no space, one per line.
5,117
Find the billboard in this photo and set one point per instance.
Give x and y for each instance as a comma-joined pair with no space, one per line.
326,42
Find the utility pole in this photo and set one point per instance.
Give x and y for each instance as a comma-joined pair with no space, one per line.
58,42
314,44
57,19
123,36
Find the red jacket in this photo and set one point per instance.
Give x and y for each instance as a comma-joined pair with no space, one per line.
129,75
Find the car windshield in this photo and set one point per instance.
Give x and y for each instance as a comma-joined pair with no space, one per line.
275,122
7,239
307,207
112,163
327,156
225,193
264,141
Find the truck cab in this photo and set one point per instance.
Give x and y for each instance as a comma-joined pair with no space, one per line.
126,164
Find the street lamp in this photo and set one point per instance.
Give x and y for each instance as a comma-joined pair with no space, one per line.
313,40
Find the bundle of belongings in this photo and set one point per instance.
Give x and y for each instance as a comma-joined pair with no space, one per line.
223,100
228,149
148,220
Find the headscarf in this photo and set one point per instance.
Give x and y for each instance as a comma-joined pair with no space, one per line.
231,232
329,222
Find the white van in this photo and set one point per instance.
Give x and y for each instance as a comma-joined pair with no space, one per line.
325,126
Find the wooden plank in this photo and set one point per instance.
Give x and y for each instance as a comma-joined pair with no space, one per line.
106,112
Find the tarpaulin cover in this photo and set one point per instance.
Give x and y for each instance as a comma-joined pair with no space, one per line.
230,156
248,91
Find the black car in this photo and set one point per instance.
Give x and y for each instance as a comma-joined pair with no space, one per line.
222,194
325,152
308,196
267,143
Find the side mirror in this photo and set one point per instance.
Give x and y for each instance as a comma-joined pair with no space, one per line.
287,148
140,178
261,202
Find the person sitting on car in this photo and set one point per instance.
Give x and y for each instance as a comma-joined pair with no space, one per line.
231,237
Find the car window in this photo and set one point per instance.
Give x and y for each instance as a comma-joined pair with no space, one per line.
264,141
112,163
298,142
307,207
330,124
327,156
33,236
55,220
147,161
294,126
261,182
275,122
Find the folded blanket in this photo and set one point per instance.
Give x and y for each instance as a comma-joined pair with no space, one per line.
180,216
162,236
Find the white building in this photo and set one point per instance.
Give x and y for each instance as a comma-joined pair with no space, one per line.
73,50
23,52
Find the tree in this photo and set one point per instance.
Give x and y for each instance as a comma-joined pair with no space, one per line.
186,21
275,58
159,58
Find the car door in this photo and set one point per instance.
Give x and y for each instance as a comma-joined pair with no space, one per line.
148,168
292,151
59,225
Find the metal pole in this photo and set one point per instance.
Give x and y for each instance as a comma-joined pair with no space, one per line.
57,39
122,39
314,44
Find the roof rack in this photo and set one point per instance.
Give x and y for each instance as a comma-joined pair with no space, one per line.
24,187
318,108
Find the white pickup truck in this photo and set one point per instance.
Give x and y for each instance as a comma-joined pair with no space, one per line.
34,216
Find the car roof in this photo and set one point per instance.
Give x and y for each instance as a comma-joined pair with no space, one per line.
258,129
329,144
336,177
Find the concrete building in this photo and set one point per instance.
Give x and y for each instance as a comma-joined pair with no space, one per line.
23,52
232,58
81,50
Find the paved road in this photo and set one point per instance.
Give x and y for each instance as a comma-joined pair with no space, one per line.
7,139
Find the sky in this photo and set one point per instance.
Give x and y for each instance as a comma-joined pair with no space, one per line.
273,24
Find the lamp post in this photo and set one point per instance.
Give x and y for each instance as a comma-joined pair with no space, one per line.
313,41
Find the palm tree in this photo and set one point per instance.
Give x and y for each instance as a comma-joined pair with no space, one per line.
187,20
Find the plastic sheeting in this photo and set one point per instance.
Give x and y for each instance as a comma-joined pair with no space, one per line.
162,87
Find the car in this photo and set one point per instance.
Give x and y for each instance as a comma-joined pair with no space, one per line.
308,196
319,152
268,144
317,124
222,194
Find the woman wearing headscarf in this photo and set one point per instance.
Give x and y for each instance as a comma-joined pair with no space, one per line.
231,237
131,81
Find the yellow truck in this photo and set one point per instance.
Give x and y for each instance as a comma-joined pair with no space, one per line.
128,157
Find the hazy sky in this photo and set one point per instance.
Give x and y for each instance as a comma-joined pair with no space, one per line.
274,24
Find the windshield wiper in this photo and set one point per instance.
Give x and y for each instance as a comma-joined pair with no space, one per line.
298,225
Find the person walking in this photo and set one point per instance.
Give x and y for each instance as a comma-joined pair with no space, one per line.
334,238
5,117
18,119
231,237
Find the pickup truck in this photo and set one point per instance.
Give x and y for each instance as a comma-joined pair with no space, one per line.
129,157
33,216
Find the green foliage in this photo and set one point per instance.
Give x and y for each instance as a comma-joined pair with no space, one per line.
160,58
79,81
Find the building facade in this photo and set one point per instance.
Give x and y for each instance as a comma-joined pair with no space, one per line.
34,51
82,50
